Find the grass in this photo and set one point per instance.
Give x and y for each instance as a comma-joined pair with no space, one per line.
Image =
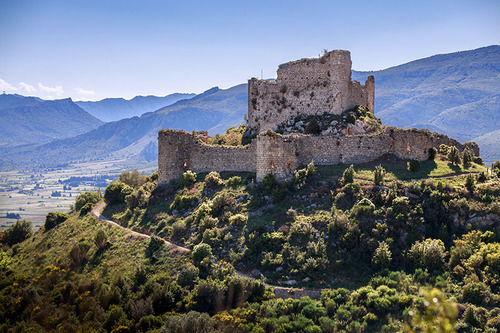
123,256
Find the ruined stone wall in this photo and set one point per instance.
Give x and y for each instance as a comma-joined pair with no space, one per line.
307,87
180,151
283,154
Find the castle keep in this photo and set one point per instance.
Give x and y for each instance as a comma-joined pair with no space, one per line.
307,87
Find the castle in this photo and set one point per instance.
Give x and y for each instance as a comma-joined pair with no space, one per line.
307,87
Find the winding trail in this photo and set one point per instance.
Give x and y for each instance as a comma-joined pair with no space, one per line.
279,292
96,211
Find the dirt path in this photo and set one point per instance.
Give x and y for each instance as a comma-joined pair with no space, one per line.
96,211
279,292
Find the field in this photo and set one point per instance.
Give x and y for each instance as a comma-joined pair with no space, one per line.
31,194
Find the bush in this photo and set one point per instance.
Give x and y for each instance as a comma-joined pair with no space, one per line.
470,183
116,192
454,155
238,220
17,232
432,153
382,257
312,127
213,179
378,176
467,156
348,174
188,178
428,253
444,149
414,165
54,218
138,198
202,252
88,198
478,160
100,239
133,178
234,181
78,254
188,275
155,245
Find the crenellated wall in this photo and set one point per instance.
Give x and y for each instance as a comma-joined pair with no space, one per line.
281,155
307,87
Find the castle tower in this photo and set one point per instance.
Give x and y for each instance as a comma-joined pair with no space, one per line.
277,155
307,87
174,154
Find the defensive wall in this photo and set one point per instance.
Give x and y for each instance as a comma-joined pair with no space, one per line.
307,87
281,155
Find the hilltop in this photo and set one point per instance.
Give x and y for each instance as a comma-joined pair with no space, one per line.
366,243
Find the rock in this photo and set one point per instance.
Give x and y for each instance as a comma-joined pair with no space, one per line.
290,282
255,272
299,123
307,279
279,269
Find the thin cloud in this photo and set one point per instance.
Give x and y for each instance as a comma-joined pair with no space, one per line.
26,87
58,90
84,92
6,86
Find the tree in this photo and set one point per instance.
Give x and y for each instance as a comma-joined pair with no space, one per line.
312,127
53,219
467,156
378,176
348,175
17,233
87,198
470,183
454,155
132,178
116,192
428,253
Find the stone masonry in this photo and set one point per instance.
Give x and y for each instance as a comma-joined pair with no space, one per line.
306,86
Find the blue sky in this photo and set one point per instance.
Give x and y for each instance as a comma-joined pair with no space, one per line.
96,49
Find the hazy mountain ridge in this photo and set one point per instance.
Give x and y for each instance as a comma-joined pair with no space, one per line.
28,120
136,137
112,109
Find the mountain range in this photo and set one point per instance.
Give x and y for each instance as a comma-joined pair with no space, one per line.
456,94
112,109
31,120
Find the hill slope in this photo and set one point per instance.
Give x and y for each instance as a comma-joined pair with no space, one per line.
112,109
25,120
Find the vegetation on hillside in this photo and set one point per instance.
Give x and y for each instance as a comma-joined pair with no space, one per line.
378,237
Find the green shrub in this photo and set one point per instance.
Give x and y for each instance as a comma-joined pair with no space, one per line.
138,198
432,153
444,149
478,160
188,275
428,253
133,178
156,244
54,218
116,192
467,156
17,232
78,254
470,183
238,220
378,176
348,175
350,119
213,179
234,181
382,257
202,252
188,178
87,198
454,155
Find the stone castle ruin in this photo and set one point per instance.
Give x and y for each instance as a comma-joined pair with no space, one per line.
305,88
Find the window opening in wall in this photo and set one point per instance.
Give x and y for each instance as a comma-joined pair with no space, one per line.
272,166
186,164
